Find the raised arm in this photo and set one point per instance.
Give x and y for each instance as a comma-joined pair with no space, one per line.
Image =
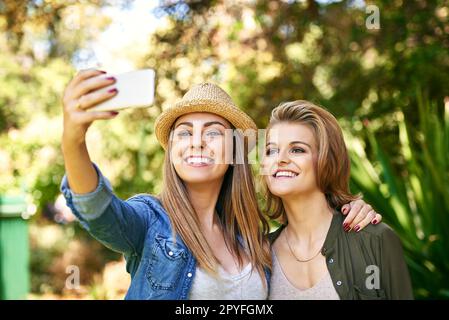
120,225
81,94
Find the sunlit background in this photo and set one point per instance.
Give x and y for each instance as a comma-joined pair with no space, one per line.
387,83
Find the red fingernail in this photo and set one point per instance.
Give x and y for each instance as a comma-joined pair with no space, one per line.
345,225
110,78
113,90
357,228
101,71
347,228
114,113
375,221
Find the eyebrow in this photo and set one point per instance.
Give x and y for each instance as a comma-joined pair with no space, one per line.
207,124
291,143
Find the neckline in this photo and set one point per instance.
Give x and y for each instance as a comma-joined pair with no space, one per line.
236,276
223,274
332,233
302,290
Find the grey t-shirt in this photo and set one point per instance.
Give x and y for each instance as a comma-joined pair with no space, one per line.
246,285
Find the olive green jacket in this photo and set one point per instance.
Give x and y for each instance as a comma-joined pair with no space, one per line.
364,265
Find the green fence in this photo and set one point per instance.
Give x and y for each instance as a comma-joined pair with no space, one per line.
14,248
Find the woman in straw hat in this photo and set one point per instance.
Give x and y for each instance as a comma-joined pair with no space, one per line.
204,235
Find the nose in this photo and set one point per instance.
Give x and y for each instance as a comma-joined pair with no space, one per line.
197,141
283,157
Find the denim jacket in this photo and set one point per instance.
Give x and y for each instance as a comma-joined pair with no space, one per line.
140,229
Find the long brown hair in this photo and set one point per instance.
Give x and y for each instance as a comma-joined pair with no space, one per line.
237,209
332,166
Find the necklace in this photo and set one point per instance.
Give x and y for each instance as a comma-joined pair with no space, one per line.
291,250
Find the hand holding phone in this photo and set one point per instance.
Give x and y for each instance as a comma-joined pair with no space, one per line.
135,90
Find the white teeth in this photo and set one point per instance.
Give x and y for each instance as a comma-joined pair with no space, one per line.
198,160
285,174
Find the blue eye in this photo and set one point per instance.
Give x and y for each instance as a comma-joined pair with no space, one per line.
298,150
184,133
213,133
270,151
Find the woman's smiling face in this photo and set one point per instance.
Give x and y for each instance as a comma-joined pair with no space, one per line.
199,147
289,161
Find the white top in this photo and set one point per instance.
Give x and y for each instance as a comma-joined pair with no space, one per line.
283,289
244,286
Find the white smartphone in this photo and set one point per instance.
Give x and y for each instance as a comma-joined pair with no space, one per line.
135,90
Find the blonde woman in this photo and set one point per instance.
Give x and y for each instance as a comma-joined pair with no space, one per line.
306,167
201,238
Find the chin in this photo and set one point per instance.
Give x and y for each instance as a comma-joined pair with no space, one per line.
197,180
201,175
283,192
282,188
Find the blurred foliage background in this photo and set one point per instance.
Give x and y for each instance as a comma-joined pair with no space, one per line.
387,86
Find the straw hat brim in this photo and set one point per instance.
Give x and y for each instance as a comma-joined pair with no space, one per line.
235,116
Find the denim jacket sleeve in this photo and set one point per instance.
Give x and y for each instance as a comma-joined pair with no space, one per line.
120,225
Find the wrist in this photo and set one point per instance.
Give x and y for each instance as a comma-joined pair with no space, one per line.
72,143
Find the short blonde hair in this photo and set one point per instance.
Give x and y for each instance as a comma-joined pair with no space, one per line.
332,166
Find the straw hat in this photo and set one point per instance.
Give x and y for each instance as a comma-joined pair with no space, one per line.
204,97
